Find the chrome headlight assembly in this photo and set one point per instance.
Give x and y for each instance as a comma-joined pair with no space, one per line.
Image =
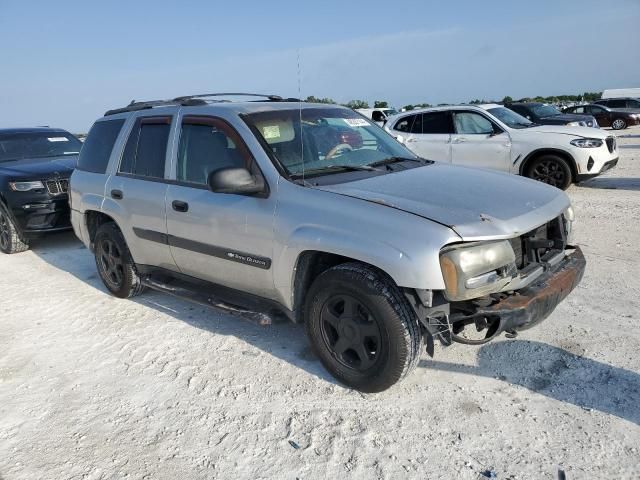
586,142
26,186
476,269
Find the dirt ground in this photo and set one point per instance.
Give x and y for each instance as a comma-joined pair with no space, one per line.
99,388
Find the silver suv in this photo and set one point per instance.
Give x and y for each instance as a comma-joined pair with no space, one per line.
314,211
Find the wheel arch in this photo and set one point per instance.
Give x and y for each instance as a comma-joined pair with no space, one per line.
93,219
550,151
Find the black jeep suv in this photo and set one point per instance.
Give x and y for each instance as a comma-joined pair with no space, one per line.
35,166
544,114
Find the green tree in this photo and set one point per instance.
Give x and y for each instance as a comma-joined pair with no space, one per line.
312,99
408,108
507,99
357,104
380,104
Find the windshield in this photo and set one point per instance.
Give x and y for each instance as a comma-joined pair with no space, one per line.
320,140
510,118
545,111
18,146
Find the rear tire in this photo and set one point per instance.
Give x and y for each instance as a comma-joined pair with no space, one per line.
114,263
619,124
11,241
361,327
550,169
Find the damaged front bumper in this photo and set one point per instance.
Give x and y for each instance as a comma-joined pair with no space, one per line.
529,306
507,311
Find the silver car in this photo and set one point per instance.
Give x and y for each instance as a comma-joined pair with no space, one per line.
314,211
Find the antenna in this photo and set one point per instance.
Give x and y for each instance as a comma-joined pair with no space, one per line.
300,115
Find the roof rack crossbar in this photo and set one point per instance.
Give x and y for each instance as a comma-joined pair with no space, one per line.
241,94
190,100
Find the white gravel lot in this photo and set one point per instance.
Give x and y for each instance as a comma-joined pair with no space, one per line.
100,388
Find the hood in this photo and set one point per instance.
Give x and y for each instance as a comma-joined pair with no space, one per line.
40,167
585,132
476,204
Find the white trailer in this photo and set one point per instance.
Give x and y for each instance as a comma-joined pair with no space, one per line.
621,93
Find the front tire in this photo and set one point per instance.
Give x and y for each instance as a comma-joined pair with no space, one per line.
619,124
114,263
550,169
362,328
10,239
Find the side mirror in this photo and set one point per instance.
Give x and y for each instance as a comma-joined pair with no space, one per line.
234,180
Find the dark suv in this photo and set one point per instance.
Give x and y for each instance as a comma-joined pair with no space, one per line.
35,166
626,103
544,114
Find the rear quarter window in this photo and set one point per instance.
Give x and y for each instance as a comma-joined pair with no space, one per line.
95,153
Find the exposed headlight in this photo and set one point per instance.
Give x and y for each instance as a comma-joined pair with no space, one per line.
26,186
586,142
569,218
477,269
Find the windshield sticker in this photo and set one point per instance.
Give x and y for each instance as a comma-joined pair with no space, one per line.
356,122
58,139
271,131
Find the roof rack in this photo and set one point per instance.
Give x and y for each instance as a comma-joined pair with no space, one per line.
191,100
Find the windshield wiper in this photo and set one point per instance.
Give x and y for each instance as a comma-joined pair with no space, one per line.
337,168
389,160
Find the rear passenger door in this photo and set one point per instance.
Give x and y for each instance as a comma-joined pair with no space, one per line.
224,238
478,142
430,135
135,196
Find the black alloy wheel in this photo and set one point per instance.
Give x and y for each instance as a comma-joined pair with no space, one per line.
110,263
5,231
552,170
350,332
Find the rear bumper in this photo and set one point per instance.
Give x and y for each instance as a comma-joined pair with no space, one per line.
532,304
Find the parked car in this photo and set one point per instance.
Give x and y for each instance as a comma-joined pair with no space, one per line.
378,115
233,205
544,114
35,166
625,103
492,136
608,117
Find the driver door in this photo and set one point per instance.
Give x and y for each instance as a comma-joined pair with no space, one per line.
223,238
478,142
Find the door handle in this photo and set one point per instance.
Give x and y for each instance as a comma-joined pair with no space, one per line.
180,206
411,140
117,194
459,140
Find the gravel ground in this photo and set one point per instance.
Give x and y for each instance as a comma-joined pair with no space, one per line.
101,388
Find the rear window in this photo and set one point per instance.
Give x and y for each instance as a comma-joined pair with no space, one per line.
146,150
96,150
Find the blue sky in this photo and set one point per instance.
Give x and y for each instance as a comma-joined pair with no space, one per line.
64,63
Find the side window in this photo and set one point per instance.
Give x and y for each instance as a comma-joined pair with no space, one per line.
146,149
470,123
96,150
633,103
208,144
417,125
437,122
580,110
617,103
595,110
405,123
